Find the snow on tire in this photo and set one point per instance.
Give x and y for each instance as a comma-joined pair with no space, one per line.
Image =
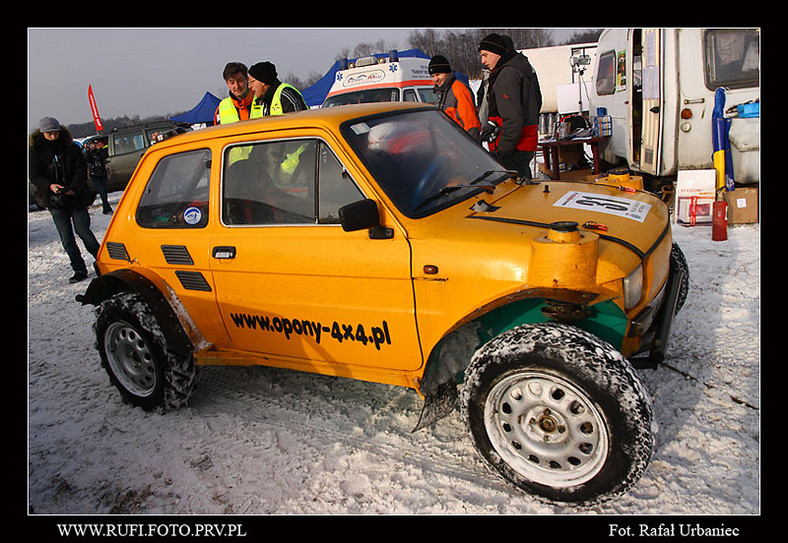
558,413
133,351
678,260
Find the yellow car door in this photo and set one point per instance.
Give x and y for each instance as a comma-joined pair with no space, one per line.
291,284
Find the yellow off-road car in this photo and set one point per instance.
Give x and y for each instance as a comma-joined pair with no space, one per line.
379,242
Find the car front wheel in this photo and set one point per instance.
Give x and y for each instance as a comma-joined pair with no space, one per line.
558,413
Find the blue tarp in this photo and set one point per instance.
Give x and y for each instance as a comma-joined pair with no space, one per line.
316,94
201,113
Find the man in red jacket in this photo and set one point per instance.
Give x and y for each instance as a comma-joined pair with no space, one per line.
515,101
454,97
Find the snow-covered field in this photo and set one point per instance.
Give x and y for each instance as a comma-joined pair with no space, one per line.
258,441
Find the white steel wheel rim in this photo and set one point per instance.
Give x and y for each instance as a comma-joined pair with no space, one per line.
130,359
547,429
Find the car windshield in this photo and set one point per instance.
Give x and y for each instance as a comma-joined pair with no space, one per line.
422,159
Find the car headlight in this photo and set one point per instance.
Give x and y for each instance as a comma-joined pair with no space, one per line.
633,287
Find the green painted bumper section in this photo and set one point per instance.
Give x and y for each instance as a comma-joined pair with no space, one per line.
605,320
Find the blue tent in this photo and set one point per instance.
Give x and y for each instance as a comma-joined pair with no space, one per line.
316,94
201,113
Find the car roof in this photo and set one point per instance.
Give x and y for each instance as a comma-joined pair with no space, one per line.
331,117
152,124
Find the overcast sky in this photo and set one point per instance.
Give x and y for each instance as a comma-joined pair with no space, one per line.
153,71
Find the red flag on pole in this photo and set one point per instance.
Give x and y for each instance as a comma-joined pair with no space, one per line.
94,109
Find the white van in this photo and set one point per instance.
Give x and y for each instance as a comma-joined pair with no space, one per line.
382,79
658,87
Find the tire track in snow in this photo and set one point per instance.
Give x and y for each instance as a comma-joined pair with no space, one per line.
442,450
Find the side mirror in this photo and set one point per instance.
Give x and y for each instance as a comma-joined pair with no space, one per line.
359,215
364,215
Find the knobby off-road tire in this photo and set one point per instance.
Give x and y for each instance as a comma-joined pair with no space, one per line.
133,351
558,413
678,260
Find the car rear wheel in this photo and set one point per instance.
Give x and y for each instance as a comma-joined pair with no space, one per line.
558,413
133,351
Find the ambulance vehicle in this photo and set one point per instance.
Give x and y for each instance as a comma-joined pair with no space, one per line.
382,79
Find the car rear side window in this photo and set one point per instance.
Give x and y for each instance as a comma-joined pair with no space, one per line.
129,142
177,192
284,182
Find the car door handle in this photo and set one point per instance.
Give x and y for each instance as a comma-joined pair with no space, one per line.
224,252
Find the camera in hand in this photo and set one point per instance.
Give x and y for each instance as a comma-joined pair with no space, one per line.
490,131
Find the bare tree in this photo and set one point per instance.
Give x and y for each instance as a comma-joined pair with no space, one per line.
461,47
589,35
301,84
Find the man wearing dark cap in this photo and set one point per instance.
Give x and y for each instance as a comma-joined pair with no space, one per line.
514,101
271,96
59,172
454,97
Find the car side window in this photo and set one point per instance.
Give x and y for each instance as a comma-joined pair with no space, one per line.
129,142
335,187
176,195
284,182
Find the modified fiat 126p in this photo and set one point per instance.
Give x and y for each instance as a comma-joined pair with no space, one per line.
379,242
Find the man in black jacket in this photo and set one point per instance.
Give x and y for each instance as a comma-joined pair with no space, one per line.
514,102
96,154
272,96
59,172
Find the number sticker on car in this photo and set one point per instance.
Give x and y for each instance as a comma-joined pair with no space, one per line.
612,205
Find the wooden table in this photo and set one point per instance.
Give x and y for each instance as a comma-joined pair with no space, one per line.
550,148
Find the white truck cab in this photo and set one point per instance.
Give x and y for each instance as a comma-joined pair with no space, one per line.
658,87
382,79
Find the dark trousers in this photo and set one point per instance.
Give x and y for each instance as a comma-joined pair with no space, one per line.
68,221
101,187
519,161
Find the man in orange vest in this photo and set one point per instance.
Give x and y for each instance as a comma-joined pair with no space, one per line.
454,97
238,104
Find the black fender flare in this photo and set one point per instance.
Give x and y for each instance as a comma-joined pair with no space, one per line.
125,280
440,379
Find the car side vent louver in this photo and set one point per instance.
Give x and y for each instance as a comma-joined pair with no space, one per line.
117,251
191,280
177,255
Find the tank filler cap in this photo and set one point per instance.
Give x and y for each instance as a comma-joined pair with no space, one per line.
564,226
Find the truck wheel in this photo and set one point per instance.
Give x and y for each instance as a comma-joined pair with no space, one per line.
133,350
558,413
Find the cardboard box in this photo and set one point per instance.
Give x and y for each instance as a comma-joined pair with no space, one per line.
695,194
742,205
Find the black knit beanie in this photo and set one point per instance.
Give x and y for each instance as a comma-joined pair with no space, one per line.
494,43
264,72
439,65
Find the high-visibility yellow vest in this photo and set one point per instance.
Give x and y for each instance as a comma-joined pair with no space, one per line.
227,112
276,103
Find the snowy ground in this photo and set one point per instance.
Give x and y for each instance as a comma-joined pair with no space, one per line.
259,441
